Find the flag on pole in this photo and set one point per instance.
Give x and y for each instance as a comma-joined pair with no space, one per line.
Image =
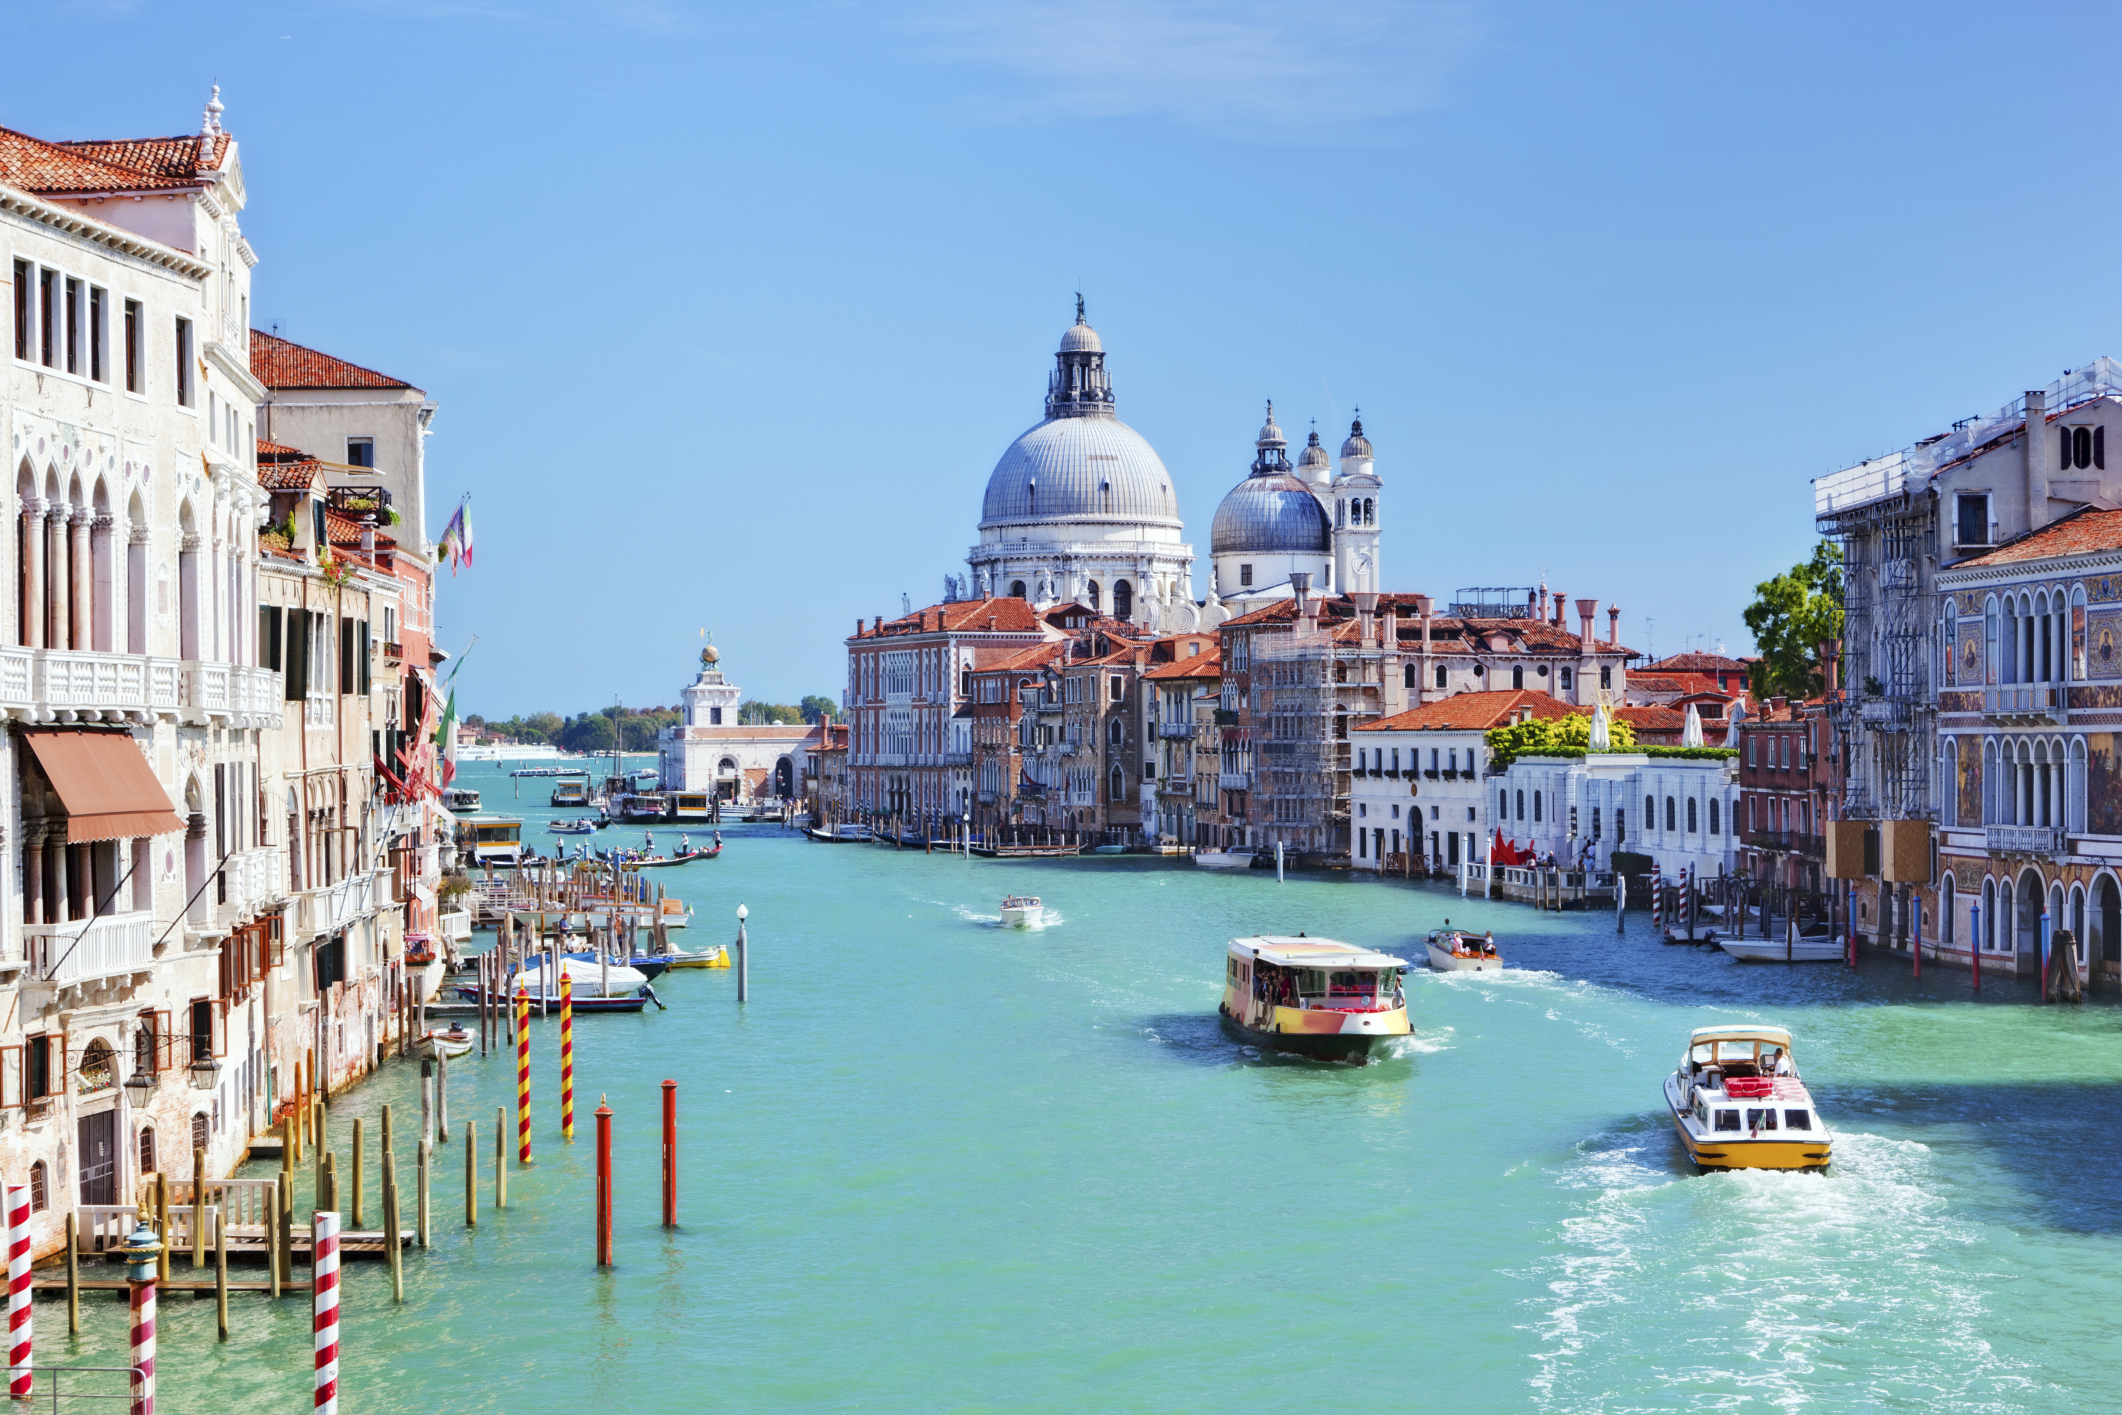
456,543
446,739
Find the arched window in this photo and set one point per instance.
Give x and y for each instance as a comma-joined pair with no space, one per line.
2107,921
1016,589
40,1188
1536,805
1517,675
1672,814
2077,918
200,1131
2077,633
1691,826
1407,677
1948,792
1370,512
1650,813
1521,805
1989,640
1114,732
147,1149
1093,594
98,1067
2075,791
1989,782
1116,785
1713,820
1986,935
1123,600
1340,514
1948,637
1503,805
1948,928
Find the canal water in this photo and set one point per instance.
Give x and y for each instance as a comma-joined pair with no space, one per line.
937,1166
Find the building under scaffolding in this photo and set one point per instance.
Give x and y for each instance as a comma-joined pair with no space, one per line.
1299,794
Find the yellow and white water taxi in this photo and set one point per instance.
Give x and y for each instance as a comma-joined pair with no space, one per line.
1313,996
1738,1103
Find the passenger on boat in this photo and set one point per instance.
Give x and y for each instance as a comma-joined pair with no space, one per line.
1488,943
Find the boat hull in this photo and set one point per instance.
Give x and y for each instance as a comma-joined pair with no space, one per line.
1222,860
433,1044
1740,1152
1032,918
1445,961
579,1003
1308,1033
717,957
1770,950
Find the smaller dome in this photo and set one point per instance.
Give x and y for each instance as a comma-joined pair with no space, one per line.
1270,435
1081,339
1357,445
1269,514
1314,454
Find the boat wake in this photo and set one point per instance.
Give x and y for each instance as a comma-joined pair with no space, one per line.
1765,1281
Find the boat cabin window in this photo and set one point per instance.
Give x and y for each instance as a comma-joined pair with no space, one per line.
504,833
1352,983
1701,1112
1728,1120
1797,1120
1760,1119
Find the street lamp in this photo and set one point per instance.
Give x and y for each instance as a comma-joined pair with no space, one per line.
140,1086
205,1072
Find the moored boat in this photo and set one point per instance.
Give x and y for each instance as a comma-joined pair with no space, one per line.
1463,951
1818,946
572,827
455,1041
716,957
844,833
1737,1102
1223,859
1023,911
570,795
491,842
1314,997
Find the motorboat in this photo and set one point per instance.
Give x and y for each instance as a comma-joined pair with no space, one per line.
676,913
1737,1102
457,799
1815,945
570,794
1023,911
455,1041
594,986
1106,850
716,957
491,842
1463,951
1314,997
582,826
1223,859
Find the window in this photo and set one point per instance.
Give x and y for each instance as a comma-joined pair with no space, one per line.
70,331
1568,680
1727,1120
147,1149
1971,519
2081,447
361,452
202,1130
98,332
47,317
1763,1119
1517,676
1672,814
1750,749
1118,688
135,375
1797,1120
1016,589
37,1067
1116,785
1407,677
40,1188
1714,823
1650,812
1440,675
1521,805
1536,805
24,315
1245,574
1691,826
184,363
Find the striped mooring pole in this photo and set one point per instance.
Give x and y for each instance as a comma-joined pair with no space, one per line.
1657,902
523,1114
324,1265
18,1292
567,1055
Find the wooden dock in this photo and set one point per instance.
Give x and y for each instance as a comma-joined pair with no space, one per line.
197,1286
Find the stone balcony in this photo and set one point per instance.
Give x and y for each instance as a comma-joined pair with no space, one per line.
79,685
111,947
2027,840
326,910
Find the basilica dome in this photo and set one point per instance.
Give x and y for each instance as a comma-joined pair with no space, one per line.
1272,510
1069,468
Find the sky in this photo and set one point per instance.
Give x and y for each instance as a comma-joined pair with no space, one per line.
730,309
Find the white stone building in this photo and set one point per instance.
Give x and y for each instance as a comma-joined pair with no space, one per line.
1285,520
1680,811
710,751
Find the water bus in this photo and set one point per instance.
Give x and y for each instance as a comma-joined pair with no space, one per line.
491,842
571,795
692,806
1023,911
1737,1102
456,799
1463,951
1313,996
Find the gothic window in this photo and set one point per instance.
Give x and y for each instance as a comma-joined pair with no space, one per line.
1521,805
1650,812
147,1149
1114,732
1536,805
1672,818
1714,823
1116,785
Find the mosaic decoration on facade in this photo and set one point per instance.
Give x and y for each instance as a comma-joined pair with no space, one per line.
1959,702
2077,640
2107,589
2103,785
2103,644
1970,803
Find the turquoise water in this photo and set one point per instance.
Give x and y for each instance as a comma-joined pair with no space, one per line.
938,1166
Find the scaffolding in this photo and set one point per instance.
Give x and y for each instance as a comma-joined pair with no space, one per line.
1886,712
1295,753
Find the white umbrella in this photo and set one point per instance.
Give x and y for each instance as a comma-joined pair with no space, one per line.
1731,733
1691,735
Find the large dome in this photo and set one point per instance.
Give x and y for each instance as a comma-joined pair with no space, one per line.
1071,468
1267,514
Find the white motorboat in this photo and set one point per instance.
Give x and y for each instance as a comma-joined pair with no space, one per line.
1737,1102
1816,947
587,978
1224,859
1023,911
456,1041
1462,951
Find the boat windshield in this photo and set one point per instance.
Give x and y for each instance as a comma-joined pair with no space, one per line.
503,834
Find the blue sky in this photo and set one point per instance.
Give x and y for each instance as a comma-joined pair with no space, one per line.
730,310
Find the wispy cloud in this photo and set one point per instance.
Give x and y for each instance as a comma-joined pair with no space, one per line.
1240,64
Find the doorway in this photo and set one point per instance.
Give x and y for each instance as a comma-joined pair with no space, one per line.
98,1134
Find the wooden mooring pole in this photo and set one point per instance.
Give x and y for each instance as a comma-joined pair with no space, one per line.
421,1198
391,1224
500,1157
354,1197
221,1271
198,1206
471,1176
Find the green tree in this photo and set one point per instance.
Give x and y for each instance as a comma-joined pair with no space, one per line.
1553,736
1791,616
759,714
816,709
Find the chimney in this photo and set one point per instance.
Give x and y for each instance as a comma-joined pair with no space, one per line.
1613,625
1543,601
1389,631
2037,440
1556,621
1301,582
1366,602
1587,610
880,625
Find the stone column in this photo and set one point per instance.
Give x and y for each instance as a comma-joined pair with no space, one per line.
55,625
61,886
103,584
80,602
33,872
33,573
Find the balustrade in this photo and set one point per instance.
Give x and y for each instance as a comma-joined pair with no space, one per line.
90,948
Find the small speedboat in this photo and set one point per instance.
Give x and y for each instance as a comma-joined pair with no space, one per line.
1223,859
1737,1102
1463,951
1023,911
572,827
1106,850
716,957
456,1041
1813,946
676,913
1316,997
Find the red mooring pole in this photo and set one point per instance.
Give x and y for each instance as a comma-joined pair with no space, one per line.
604,1183
670,1154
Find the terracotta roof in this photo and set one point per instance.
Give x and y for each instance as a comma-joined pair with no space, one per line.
1698,663
1206,664
279,363
1529,638
280,452
2084,530
1646,681
1016,660
1651,719
290,476
1476,712
129,165
344,530
1011,616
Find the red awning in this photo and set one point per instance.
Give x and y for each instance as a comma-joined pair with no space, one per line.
104,782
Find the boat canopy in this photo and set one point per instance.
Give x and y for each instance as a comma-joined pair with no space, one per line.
1287,952
1743,1033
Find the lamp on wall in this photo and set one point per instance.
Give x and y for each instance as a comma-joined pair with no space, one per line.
140,1087
205,1072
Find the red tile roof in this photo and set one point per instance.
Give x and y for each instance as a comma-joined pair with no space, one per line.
1646,681
1476,712
2082,531
1010,614
1698,663
279,452
128,165
1651,719
1206,664
280,363
290,476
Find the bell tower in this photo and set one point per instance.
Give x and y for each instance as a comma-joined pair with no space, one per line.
1356,494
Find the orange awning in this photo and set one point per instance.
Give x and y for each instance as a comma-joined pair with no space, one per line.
104,782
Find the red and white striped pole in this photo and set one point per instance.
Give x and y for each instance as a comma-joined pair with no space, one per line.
324,1266
1657,903
18,1293
142,1251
